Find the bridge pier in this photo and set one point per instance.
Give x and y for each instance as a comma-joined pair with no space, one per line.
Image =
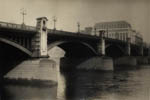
142,60
101,62
39,68
127,62
128,48
101,46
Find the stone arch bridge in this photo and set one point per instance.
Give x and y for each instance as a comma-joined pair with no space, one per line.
19,42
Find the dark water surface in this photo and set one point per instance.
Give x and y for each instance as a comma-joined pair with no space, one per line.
119,85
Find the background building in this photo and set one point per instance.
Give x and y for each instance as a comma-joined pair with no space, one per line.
88,30
120,30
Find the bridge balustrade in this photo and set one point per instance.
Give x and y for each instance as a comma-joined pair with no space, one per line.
135,39
17,26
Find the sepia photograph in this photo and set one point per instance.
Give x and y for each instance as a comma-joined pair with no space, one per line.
74,50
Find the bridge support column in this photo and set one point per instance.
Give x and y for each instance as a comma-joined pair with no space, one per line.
101,47
39,41
102,63
126,62
141,59
128,48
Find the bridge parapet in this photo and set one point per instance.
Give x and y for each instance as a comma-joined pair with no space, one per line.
71,34
60,32
16,26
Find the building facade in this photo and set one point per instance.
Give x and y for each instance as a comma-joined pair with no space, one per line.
120,30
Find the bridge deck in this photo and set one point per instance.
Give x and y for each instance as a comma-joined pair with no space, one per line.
21,27
26,29
16,26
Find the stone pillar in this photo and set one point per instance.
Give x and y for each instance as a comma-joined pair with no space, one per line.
39,41
128,51
101,45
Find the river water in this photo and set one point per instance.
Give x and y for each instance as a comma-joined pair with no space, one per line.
81,85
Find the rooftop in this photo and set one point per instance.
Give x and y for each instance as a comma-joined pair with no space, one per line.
113,24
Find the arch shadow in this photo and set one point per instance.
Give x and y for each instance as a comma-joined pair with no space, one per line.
73,46
114,51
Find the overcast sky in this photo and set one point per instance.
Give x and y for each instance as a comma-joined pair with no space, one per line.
87,12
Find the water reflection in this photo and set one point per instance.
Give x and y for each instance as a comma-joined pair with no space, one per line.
18,92
79,85
122,85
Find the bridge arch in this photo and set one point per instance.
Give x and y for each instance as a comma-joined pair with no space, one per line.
67,45
26,51
114,50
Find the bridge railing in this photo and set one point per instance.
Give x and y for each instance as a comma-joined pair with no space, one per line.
60,32
135,39
17,26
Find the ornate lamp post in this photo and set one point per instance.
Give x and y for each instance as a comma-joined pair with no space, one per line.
23,12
